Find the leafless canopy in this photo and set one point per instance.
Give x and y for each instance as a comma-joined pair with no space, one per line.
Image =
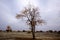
30,13
33,17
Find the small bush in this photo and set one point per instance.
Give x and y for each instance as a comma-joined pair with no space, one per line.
24,31
55,31
41,31
58,32
18,31
8,29
50,31
0,30
29,32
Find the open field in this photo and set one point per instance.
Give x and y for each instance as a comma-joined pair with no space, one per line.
28,36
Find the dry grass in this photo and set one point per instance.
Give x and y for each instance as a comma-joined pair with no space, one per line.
28,36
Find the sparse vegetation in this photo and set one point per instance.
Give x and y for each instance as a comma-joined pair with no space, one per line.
28,36
41,31
0,30
18,31
24,31
55,31
8,29
28,31
49,31
58,32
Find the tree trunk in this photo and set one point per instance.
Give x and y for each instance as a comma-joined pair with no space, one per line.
33,27
33,32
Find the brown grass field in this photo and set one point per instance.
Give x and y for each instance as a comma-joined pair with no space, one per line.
28,36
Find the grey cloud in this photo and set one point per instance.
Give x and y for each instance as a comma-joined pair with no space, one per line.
49,10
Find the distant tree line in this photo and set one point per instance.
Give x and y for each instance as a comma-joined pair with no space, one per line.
9,29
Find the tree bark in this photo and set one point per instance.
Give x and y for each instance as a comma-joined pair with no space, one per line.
33,32
33,27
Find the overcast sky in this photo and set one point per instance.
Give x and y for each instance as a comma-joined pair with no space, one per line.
49,10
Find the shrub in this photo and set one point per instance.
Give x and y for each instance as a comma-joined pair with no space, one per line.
55,31
58,32
18,31
9,29
37,31
24,31
29,32
0,30
50,31
41,31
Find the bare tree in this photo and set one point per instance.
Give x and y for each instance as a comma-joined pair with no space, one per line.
33,17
